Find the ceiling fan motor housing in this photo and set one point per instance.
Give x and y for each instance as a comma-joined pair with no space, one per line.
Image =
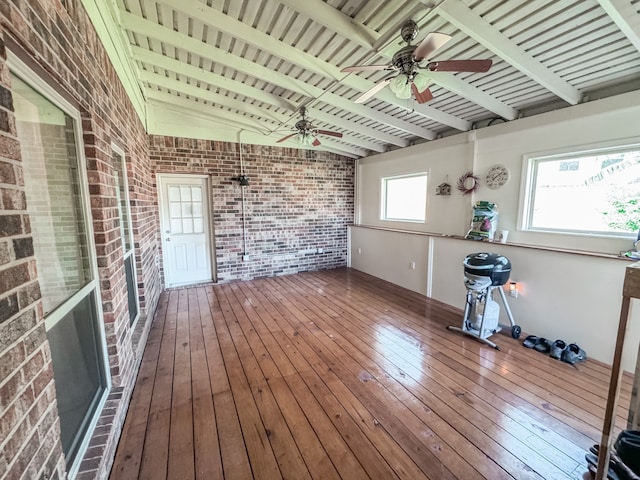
303,126
403,60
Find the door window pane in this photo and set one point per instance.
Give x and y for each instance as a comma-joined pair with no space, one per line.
185,209
53,194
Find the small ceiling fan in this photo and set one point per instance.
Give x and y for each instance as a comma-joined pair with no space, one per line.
408,61
306,133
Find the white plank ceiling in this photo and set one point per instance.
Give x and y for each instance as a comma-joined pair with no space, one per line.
249,64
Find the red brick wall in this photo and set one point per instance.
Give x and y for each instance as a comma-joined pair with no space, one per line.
58,39
297,201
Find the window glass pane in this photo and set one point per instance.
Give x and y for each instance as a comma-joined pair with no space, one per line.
132,288
405,198
174,194
185,194
176,225
197,209
47,143
123,200
196,194
76,356
595,193
174,210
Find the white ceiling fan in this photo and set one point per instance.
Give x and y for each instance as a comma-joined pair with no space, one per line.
409,60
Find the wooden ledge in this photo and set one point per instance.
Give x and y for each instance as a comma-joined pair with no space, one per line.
509,244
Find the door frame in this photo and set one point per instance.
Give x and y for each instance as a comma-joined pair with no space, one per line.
208,218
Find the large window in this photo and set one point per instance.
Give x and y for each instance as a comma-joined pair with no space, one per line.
404,198
590,192
56,193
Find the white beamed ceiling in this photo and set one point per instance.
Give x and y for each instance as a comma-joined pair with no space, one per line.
249,64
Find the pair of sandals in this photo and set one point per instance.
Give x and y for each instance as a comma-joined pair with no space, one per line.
559,349
624,459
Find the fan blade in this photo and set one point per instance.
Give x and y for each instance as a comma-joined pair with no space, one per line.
421,97
315,142
372,91
330,133
366,68
430,44
479,66
287,137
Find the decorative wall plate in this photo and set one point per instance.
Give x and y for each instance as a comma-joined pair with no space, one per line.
496,176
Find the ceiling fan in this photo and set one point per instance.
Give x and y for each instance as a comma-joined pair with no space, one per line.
408,61
306,133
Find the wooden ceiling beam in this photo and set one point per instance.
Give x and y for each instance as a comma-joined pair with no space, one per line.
333,19
626,17
182,68
466,90
472,24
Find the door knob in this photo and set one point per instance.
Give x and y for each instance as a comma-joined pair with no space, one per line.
168,239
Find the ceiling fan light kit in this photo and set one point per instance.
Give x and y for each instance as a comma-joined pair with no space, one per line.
401,86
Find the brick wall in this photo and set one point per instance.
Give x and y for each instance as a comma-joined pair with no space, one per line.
298,201
58,39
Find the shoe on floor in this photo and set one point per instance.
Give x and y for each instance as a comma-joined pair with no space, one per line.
530,341
557,348
592,463
573,353
542,345
632,434
628,449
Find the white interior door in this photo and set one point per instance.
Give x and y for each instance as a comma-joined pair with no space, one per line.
185,227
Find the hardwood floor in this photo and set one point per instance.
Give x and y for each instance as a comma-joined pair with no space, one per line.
337,374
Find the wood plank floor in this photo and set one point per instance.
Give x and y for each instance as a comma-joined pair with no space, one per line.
337,374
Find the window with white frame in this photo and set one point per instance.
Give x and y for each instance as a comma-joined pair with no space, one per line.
126,232
404,198
590,192
56,190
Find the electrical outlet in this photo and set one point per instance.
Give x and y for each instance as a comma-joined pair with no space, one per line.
412,265
359,251
245,258
321,250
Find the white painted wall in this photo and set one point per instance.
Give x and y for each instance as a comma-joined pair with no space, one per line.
563,295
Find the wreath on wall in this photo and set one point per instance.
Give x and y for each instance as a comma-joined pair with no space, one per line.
468,183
